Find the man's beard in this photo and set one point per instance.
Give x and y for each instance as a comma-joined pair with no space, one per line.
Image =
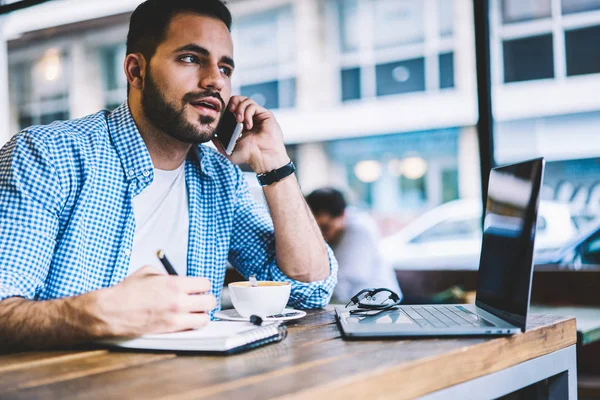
170,120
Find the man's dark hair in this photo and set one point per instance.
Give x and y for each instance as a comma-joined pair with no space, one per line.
150,20
327,200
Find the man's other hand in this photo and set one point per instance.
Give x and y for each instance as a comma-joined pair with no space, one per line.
150,302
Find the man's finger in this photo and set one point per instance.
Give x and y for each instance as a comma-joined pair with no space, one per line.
199,303
240,109
147,270
234,101
249,115
193,285
187,321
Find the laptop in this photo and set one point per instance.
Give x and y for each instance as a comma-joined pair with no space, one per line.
505,270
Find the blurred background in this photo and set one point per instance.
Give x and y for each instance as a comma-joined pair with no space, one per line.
375,97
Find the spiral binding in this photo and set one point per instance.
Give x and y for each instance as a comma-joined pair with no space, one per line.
259,337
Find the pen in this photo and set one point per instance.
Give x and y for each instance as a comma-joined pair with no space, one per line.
290,314
165,262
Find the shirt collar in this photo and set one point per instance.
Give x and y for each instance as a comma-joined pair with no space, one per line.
132,150
129,144
202,154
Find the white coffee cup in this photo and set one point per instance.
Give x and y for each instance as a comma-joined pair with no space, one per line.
268,298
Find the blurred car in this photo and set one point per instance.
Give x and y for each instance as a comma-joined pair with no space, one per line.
581,252
449,236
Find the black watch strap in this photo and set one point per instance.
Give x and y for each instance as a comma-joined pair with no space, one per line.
276,175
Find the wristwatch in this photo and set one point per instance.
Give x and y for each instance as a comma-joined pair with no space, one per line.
276,175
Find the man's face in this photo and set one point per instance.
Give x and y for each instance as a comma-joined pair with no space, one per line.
331,227
188,80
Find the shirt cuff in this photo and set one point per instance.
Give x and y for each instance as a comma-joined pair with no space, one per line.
8,291
309,294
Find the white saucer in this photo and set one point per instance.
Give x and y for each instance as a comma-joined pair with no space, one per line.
232,315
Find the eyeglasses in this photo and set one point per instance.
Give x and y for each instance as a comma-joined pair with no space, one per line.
373,301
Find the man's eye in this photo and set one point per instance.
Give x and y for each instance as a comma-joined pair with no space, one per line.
188,59
227,71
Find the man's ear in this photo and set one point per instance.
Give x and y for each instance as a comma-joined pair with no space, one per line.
135,69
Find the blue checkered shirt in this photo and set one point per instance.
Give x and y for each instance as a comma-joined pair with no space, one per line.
67,221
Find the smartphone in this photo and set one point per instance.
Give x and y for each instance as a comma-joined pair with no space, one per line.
228,131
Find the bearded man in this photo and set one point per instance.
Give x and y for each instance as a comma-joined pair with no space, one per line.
87,203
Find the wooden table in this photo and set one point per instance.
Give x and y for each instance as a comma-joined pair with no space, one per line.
588,320
312,363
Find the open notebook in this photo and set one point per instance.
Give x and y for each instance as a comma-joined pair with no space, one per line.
217,337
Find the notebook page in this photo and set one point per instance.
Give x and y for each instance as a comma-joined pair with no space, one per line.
214,329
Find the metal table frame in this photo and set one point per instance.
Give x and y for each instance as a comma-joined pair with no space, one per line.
559,368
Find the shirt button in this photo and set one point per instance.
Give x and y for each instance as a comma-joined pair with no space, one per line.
146,173
130,172
127,252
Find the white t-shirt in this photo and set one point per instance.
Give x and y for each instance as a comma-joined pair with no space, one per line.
162,222
361,264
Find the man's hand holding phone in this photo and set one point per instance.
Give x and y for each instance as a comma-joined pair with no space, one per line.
261,143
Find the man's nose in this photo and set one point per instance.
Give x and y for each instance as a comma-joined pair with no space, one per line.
212,78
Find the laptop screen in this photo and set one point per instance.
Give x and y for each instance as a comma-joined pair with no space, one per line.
506,264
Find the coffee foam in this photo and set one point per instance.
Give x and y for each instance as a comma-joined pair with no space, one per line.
260,284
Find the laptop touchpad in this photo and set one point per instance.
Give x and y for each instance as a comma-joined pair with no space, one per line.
388,317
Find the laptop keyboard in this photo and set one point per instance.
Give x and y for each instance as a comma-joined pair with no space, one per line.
444,316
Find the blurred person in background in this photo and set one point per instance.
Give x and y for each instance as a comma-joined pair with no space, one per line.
354,238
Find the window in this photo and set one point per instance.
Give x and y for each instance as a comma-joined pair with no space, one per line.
350,25
40,88
398,22
350,84
400,77
265,57
545,39
392,47
576,6
525,10
446,62
446,17
528,58
583,56
271,95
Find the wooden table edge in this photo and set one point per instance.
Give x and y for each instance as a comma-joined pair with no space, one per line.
508,351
